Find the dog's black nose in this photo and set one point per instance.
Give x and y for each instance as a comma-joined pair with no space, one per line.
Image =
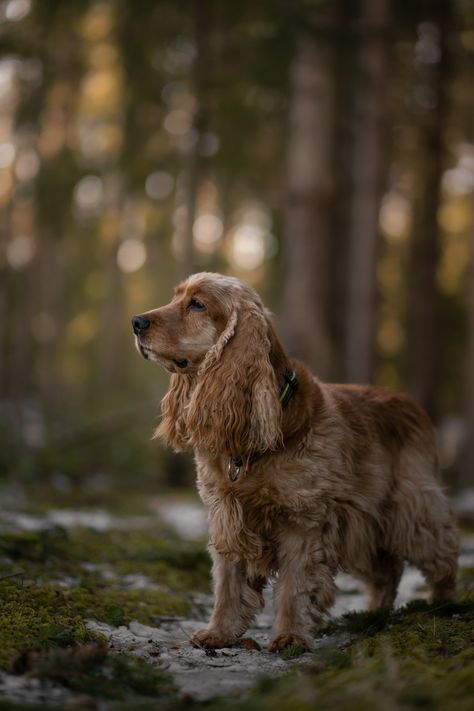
140,324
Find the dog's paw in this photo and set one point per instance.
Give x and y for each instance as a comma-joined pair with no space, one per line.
282,641
211,639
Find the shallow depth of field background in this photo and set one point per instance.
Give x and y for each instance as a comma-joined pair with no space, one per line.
321,151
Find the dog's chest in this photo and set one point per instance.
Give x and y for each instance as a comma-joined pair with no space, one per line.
244,517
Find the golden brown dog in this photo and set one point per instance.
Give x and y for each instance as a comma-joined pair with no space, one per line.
300,478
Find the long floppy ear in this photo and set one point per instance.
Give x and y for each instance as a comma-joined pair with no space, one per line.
235,408
172,429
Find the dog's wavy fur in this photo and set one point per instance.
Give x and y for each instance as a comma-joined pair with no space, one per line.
344,478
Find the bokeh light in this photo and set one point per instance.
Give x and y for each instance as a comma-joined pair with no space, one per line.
20,251
395,216
131,255
27,165
207,232
88,194
159,185
16,10
7,155
250,242
247,250
177,122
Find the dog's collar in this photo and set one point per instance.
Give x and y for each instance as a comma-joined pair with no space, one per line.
289,388
287,391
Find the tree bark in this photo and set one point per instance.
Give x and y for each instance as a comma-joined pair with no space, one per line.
194,157
467,465
308,229
368,170
423,298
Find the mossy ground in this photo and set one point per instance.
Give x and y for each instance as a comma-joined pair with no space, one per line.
55,554
419,657
93,670
52,581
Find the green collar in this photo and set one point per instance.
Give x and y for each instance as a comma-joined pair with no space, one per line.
289,387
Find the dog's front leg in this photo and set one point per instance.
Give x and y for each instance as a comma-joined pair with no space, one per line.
304,590
236,601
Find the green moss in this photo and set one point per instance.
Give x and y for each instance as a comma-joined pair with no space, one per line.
115,606
416,696
39,612
34,617
333,659
367,623
6,705
37,618
55,553
92,670
39,546
420,657
466,576
292,651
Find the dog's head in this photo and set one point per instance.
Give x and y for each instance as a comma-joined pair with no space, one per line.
180,335
215,336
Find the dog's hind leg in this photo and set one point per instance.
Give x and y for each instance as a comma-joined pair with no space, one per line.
436,555
428,539
236,601
382,579
423,527
304,591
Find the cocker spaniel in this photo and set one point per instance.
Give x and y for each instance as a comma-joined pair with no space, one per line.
300,478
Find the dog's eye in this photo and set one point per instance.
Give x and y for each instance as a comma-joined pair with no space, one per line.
195,305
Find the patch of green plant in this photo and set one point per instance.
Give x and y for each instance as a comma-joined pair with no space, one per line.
166,560
421,656
116,606
332,658
91,670
292,651
35,546
37,618
34,616
466,577
6,705
369,623
55,553
416,696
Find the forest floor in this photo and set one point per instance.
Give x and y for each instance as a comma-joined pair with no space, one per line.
96,610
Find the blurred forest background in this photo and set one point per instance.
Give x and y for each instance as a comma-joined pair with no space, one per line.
321,151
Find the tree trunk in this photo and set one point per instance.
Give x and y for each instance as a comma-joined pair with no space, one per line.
194,157
368,170
467,465
308,230
4,305
423,303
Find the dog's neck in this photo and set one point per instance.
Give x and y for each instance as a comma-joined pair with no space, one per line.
299,413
